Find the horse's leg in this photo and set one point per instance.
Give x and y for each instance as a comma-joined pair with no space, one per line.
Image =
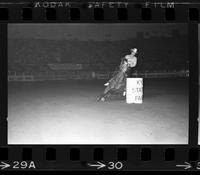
110,89
102,96
107,93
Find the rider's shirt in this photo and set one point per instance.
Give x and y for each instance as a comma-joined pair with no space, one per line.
132,60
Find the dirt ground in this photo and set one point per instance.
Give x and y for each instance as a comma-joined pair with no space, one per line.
67,112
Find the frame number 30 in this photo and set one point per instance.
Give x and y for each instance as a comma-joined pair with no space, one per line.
115,165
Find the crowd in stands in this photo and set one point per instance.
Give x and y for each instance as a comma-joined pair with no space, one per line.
156,53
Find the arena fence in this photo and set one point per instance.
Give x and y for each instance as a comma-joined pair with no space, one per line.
42,76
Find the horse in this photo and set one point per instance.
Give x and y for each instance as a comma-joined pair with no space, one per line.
117,84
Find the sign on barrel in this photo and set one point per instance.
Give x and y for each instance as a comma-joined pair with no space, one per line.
134,90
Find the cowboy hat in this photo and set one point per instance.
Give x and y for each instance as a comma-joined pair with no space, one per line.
134,50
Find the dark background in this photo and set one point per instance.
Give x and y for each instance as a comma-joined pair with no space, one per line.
98,47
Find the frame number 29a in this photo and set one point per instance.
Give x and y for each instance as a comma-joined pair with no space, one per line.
23,165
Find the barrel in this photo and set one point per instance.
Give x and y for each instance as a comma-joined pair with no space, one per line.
134,90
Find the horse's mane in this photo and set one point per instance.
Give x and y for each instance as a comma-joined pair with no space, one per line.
120,67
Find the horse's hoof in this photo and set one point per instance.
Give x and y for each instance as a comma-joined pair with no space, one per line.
99,98
103,99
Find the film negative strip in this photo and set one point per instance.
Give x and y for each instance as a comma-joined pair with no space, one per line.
99,86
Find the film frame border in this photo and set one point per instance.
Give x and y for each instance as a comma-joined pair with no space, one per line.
99,11
148,157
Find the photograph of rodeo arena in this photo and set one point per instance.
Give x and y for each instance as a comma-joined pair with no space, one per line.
98,83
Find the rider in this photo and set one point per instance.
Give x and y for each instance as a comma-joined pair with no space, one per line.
131,61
